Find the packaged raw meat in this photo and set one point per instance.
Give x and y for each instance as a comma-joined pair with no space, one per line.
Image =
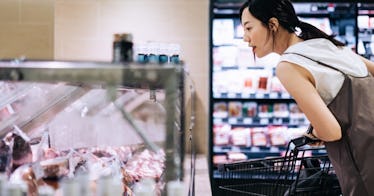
277,135
235,109
236,156
222,134
259,137
240,136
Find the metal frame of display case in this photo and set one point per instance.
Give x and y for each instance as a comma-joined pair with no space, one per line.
108,75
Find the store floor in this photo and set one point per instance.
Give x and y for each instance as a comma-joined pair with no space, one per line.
202,183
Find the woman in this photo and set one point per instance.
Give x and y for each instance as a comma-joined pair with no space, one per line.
273,26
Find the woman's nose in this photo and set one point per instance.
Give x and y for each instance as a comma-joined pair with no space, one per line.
246,39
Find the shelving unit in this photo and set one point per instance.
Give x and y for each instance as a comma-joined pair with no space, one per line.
249,107
334,17
251,114
365,25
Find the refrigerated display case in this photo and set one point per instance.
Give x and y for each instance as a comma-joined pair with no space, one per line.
60,120
365,23
334,18
251,114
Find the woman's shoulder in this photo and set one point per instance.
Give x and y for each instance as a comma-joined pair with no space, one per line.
312,47
325,51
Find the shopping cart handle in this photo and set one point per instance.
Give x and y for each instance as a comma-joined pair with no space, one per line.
303,140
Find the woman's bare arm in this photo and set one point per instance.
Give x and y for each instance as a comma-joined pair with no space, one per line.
300,84
369,65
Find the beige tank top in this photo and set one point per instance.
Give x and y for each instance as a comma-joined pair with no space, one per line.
328,81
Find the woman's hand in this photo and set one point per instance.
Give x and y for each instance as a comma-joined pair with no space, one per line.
317,142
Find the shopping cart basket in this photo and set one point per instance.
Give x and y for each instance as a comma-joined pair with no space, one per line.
301,171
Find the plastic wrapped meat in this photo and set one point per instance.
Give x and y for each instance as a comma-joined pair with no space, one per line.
21,152
146,164
55,168
49,153
25,175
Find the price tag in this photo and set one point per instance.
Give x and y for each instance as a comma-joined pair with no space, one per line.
247,120
274,149
217,121
246,95
217,68
293,121
231,95
217,149
233,120
260,95
235,149
264,121
273,95
255,149
278,121
285,96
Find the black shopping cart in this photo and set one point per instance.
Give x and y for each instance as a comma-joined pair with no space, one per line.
304,170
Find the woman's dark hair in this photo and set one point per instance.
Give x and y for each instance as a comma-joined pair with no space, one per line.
284,11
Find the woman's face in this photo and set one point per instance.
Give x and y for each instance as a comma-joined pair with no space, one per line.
256,34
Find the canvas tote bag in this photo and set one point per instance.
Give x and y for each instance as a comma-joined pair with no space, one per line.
353,155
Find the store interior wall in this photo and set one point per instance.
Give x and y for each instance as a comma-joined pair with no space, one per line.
27,29
83,30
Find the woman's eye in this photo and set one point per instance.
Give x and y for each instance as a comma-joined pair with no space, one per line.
248,28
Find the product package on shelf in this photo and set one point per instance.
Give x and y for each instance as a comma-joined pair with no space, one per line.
106,125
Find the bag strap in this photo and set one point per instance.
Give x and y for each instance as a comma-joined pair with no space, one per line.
346,140
319,62
310,128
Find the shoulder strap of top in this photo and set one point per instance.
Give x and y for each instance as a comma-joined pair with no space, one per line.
319,62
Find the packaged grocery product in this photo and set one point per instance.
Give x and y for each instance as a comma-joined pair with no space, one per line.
219,159
295,111
265,110
280,110
220,110
235,109
249,109
276,85
263,83
221,134
236,156
259,137
240,136
276,135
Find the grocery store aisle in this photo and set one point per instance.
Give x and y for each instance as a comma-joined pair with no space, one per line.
202,183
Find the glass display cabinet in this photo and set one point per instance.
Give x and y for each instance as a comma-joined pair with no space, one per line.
78,128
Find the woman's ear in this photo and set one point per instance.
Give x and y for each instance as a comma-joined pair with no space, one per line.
273,24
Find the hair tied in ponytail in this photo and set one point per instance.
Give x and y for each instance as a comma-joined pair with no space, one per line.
298,28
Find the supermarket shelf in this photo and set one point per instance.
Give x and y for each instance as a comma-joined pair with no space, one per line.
258,122
255,149
251,149
256,95
366,30
236,67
